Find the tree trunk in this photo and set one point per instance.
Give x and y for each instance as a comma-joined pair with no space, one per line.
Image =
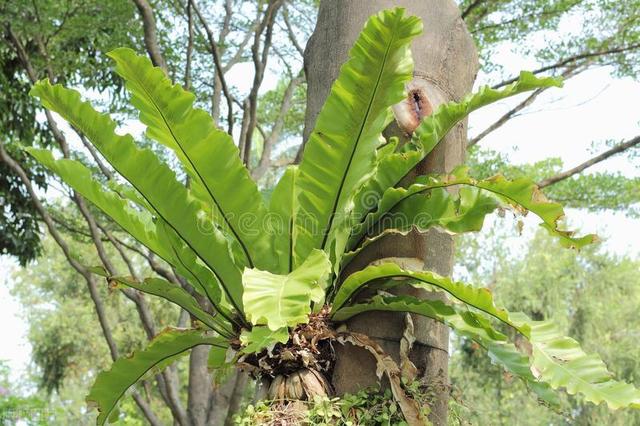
199,390
445,67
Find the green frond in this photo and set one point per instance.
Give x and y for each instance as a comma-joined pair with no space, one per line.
155,181
392,167
465,323
207,153
556,360
339,154
282,212
110,386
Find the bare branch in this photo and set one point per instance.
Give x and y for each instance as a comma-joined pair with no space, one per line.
200,389
244,126
150,33
226,23
470,8
512,20
572,60
621,147
237,56
260,55
291,32
274,135
213,48
96,157
187,68
237,396
506,117
515,110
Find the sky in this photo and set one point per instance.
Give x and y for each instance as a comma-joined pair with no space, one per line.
592,107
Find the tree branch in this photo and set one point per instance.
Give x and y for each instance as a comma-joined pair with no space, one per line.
199,391
570,60
237,396
213,48
470,8
274,135
150,33
96,157
291,32
504,118
515,110
260,57
187,68
621,147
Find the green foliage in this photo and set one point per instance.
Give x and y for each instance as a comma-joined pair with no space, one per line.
592,27
378,196
74,33
111,385
208,154
16,408
67,345
367,407
261,337
19,233
282,210
19,228
585,285
216,230
340,153
279,301
595,192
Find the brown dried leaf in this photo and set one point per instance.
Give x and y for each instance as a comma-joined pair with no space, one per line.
386,364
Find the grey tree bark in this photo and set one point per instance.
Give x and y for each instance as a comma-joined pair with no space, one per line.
446,64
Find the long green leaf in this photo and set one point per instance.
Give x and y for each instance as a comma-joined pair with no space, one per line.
419,200
110,386
557,360
137,222
392,168
478,297
466,323
435,127
561,362
464,212
155,181
521,194
207,152
340,153
285,300
403,209
174,294
282,208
